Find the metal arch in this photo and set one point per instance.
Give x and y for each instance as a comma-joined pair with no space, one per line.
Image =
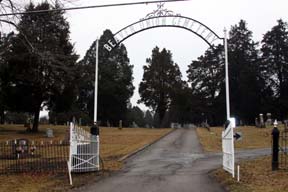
181,27
164,25
194,20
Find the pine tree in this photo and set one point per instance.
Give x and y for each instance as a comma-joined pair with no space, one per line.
245,81
136,115
148,118
4,48
160,82
115,81
206,78
38,74
275,66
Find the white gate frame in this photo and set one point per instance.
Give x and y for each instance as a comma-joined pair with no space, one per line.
83,151
228,134
228,149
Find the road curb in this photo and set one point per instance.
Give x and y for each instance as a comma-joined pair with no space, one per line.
144,147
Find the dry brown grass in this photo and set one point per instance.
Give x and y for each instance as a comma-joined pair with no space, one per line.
115,144
12,132
252,138
256,176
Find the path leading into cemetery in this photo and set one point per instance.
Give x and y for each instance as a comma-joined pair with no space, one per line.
175,163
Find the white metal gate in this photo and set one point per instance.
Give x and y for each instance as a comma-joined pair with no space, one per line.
84,150
228,149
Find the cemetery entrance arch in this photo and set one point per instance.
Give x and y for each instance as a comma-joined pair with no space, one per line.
166,18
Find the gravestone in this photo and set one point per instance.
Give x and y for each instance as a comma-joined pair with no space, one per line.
120,124
49,133
269,119
175,125
134,125
257,123
20,147
262,123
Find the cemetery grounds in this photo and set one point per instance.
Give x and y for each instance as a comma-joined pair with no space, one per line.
255,175
115,144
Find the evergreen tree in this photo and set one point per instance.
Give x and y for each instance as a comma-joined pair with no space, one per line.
186,107
5,41
160,82
245,80
206,78
115,81
136,115
148,118
275,66
38,74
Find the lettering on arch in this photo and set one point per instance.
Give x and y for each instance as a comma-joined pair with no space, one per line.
194,26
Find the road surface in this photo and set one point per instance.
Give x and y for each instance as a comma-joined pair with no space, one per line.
176,163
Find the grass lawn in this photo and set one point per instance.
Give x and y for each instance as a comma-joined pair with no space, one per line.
255,175
252,138
115,144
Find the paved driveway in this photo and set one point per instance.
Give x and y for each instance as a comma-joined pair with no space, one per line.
176,163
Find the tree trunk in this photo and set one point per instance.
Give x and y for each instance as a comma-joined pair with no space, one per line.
36,119
2,117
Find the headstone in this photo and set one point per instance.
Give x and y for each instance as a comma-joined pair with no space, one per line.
134,125
120,124
262,124
241,123
20,147
49,133
269,120
175,125
257,123
74,120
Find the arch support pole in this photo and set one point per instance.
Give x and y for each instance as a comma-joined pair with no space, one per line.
226,75
96,81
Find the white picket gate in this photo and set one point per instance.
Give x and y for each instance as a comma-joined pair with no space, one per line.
83,152
228,149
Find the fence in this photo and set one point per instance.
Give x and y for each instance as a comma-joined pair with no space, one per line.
22,155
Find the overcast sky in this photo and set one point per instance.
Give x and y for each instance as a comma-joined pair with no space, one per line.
88,24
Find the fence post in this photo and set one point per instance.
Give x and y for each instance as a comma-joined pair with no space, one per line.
94,130
275,147
69,163
98,152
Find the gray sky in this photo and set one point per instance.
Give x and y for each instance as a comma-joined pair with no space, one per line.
86,25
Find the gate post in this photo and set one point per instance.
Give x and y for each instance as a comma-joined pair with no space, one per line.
94,130
226,75
96,102
96,80
275,147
